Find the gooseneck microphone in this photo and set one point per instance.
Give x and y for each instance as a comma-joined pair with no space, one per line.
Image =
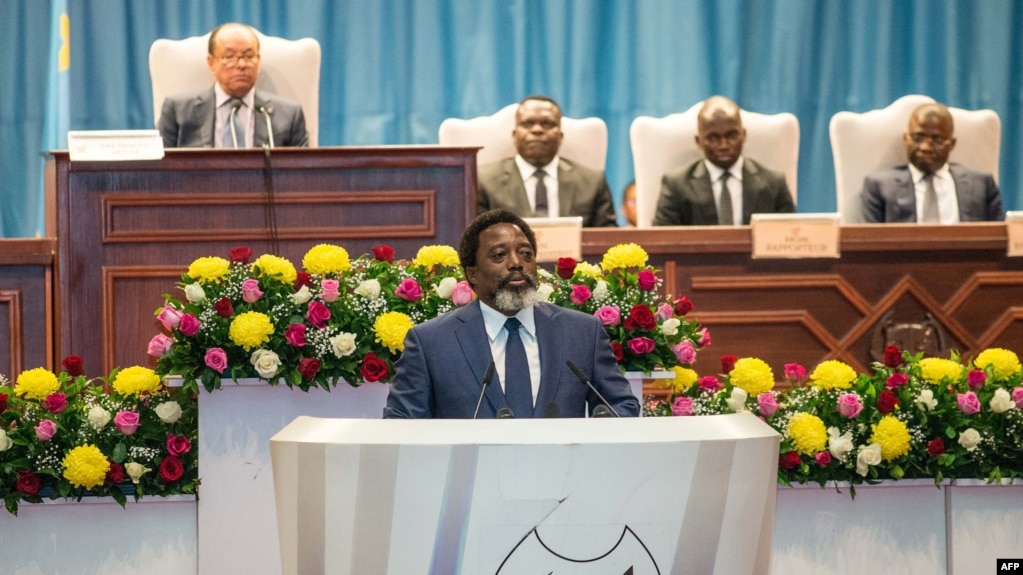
236,103
269,130
581,377
486,382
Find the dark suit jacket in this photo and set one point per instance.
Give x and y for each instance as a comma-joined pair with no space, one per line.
440,373
188,121
581,192
687,198
889,196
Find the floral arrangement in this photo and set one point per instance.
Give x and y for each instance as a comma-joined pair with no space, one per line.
63,436
913,417
343,319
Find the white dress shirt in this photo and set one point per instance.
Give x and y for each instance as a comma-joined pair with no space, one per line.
550,180
734,186
944,187
243,118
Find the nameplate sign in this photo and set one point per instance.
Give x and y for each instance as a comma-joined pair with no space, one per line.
557,238
1014,231
114,145
795,236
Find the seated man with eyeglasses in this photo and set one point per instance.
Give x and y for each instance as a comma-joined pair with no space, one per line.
724,188
232,113
929,189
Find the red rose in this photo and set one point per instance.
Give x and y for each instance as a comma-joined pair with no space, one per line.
373,368
178,445
789,460
618,350
55,402
3,401
240,255
115,475
646,280
171,469
683,305
640,317
224,307
384,253
29,483
73,365
886,401
303,279
892,356
566,268
935,447
309,367
823,458
728,363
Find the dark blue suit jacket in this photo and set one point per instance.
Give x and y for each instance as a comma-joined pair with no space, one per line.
187,121
890,196
440,373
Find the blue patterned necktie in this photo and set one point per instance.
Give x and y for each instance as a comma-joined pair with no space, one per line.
518,391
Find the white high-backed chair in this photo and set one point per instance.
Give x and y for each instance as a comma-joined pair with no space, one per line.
865,143
288,68
585,139
662,145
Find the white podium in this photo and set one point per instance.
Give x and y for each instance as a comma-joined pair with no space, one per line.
655,495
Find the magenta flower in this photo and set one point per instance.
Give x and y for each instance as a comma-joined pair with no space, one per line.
189,325
710,383
794,372
849,405
767,404
704,337
250,290
664,312
976,378
1017,396
968,402
169,317
409,290
127,422
608,315
55,402
684,352
682,406
295,334
580,294
318,314
216,359
823,458
646,279
641,345
896,379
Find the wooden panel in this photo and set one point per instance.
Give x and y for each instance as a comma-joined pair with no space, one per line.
26,305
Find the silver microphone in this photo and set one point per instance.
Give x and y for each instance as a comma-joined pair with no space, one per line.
582,378
269,130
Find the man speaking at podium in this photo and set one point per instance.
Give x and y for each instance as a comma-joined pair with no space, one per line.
507,354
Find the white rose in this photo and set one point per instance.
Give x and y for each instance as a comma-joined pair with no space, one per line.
545,291
266,362
926,400
369,289
839,444
302,295
136,471
343,344
868,455
5,442
737,401
445,287
99,417
1002,401
168,411
194,293
969,439
670,326
544,273
600,291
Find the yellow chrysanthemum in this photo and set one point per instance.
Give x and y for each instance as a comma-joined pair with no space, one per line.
136,381
206,270
390,329
752,375
1004,363
36,383
251,330
893,437
684,379
589,270
833,374
86,466
269,266
429,256
934,369
624,256
807,433
325,259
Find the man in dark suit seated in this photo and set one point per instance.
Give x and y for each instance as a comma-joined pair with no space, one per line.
529,343
231,113
929,189
696,194
539,183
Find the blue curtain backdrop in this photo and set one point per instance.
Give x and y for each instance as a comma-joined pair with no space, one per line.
394,69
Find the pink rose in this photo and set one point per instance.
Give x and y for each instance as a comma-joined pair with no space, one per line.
159,345
710,383
216,359
641,345
823,458
976,378
646,279
462,293
250,290
768,404
55,402
295,334
46,430
849,405
664,312
178,445
896,379
318,314
608,315
968,402
409,290
329,290
580,294
704,337
189,325
169,317
682,406
127,422
1017,396
684,352
794,372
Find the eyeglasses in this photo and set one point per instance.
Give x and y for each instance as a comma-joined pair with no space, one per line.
935,140
232,61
